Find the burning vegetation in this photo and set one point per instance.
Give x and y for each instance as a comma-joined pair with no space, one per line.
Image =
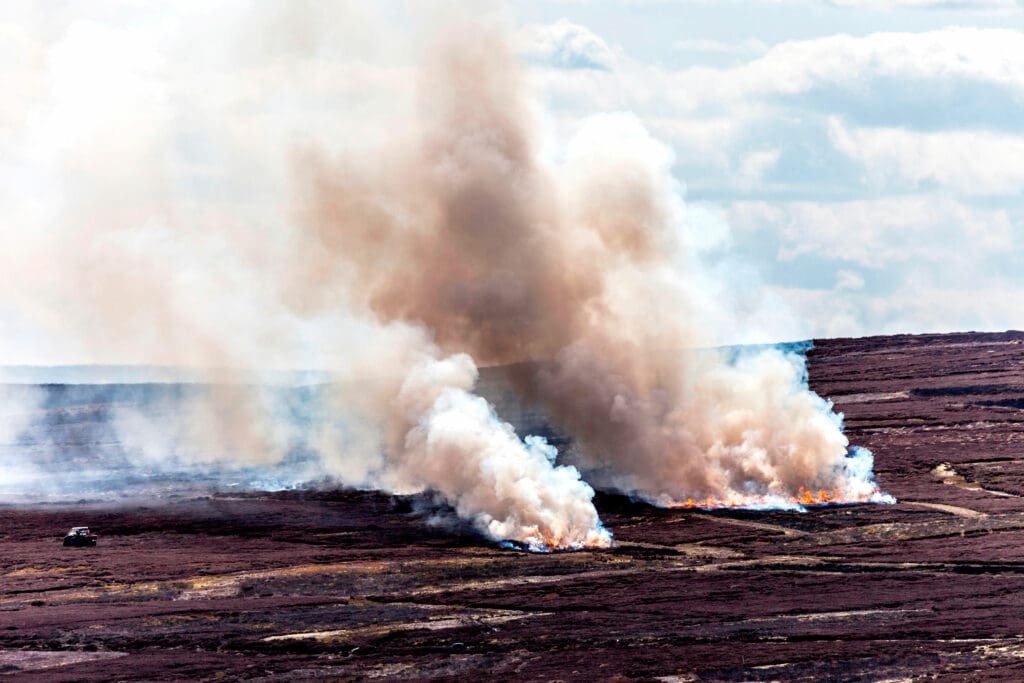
583,273
350,584
590,265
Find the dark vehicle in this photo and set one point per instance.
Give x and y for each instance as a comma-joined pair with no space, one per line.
79,536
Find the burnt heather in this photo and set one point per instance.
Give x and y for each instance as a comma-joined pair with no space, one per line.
353,585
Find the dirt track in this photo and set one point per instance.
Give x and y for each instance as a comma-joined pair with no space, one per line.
338,585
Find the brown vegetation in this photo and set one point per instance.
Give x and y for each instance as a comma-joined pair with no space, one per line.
338,585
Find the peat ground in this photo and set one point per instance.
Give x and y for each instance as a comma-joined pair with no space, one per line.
347,585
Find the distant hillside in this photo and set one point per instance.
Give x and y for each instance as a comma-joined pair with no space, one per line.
141,374
167,374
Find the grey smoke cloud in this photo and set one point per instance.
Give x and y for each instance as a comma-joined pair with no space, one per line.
400,267
586,268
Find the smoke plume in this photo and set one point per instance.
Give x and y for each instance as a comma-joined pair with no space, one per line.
584,275
457,446
433,238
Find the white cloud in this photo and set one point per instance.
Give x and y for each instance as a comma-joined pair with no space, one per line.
929,64
926,303
849,279
958,77
921,303
991,55
909,264
886,112
746,48
566,45
212,109
878,233
875,180
755,165
707,142
929,4
967,163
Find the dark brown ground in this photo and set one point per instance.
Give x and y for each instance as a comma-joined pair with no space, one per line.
356,585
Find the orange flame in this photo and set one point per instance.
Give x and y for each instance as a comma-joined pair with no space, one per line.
823,497
803,497
549,540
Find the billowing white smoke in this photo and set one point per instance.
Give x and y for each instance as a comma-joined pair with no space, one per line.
759,438
396,270
509,489
590,270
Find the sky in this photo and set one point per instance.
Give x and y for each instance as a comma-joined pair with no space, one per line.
867,156
857,164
